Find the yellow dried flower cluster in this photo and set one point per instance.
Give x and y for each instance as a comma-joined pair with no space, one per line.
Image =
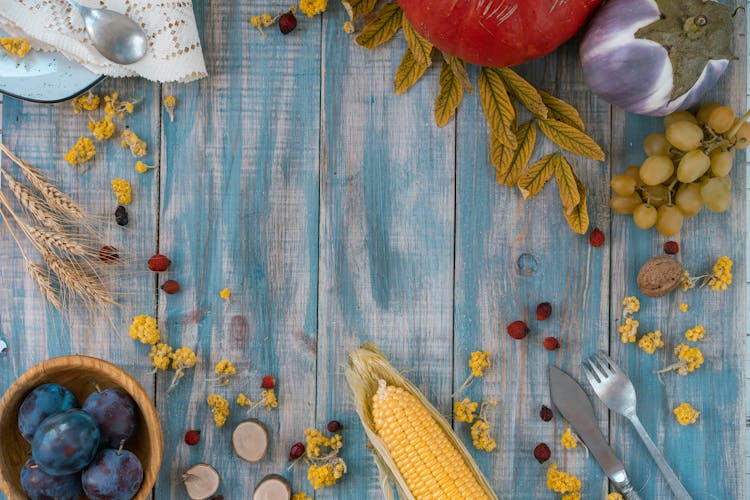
312,8
17,47
113,106
81,152
687,282
161,355
183,358
349,27
480,436
131,141
684,307
225,367
572,496
651,342
225,294
630,305
721,277
144,329
85,102
690,358
562,482
478,362
628,331
464,410
219,407
686,414
169,104
321,476
122,191
568,439
614,496
243,400
316,440
269,399
696,333
300,496
102,129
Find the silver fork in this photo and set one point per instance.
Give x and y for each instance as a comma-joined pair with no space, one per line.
615,389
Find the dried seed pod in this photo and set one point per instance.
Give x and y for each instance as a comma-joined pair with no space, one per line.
659,276
250,440
201,481
273,487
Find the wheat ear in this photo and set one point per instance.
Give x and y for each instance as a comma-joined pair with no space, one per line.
31,203
86,286
54,239
38,274
56,199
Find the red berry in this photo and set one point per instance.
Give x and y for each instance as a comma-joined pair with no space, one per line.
170,287
596,238
269,382
671,247
192,437
551,343
287,23
546,413
334,426
297,450
543,311
159,263
542,453
108,254
518,330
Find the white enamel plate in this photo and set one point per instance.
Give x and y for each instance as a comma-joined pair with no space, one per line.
43,76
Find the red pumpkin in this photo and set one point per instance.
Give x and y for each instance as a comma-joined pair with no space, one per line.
497,32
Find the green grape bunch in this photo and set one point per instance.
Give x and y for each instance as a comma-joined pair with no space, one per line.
687,168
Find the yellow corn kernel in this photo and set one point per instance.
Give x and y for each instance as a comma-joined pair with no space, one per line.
431,466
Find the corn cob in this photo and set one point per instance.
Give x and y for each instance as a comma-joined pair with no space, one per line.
414,446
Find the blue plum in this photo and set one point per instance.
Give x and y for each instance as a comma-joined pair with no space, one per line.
113,475
43,401
39,485
66,442
114,411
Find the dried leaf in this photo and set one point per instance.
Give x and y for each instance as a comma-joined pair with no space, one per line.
381,29
561,110
526,138
567,185
501,156
536,176
497,106
407,73
578,218
459,69
523,91
420,48
449,97
572,139
357,8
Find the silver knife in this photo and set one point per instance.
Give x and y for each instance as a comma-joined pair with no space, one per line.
573,404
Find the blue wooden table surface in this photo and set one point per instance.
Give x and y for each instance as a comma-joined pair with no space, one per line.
337,213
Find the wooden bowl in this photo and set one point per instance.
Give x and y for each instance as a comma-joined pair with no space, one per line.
79,374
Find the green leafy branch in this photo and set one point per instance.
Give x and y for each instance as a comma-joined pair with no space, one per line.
500,90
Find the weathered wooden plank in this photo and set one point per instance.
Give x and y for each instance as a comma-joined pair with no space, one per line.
239,209
513,254
705,456
386,242
41,134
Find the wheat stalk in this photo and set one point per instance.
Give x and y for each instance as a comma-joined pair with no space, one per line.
31,203
54,239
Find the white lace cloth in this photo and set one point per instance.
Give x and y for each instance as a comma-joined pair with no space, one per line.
174,53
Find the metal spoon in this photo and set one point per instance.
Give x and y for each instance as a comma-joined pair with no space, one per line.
114,35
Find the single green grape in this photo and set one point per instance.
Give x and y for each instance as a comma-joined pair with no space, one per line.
656,169
694,164
644,216
721,163
624,205
679,116
717,193
656,144
623,184
689,200
685,136
669,220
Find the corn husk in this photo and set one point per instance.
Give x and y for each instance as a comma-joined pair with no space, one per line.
367,367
